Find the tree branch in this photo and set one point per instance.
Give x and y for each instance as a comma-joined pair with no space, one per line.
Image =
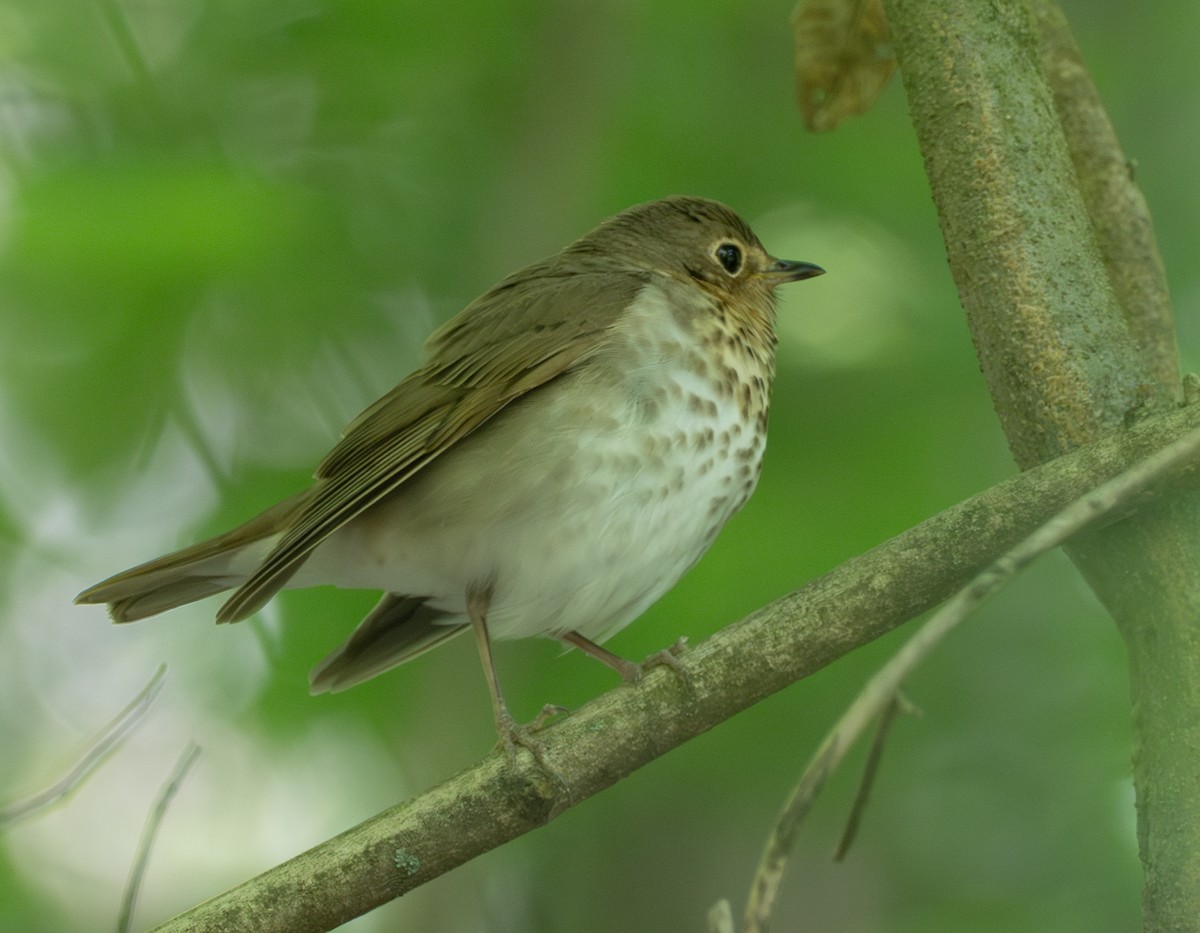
1051,336
880,700
1114,203
589,750
1045,246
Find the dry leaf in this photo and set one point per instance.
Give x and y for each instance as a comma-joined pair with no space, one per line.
843,58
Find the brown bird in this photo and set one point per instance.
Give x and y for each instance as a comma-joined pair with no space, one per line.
573,442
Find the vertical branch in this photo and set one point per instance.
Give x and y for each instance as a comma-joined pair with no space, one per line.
1048,328
1054,257
1146,572
1120,218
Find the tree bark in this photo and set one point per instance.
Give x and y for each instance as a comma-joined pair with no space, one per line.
1053,254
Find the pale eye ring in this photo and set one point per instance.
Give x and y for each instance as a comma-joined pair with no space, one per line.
729,255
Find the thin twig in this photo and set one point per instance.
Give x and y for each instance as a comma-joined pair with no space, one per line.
887,718
105,742
150,831
881,690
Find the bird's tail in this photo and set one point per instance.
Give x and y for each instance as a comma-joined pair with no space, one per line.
203,569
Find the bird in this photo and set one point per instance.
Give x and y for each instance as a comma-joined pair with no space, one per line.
571,444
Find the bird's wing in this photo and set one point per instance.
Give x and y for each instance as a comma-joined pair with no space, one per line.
531,328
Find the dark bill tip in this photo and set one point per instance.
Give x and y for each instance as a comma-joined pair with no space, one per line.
791,270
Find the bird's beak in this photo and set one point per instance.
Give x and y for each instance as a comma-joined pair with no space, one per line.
790,270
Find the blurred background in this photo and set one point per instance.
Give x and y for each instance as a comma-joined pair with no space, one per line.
227,227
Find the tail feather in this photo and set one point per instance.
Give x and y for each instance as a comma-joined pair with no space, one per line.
212,566
397,629
168,595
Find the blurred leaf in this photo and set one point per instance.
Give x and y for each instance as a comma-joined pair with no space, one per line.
843,58
133,219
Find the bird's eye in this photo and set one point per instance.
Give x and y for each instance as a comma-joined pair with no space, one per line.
729,255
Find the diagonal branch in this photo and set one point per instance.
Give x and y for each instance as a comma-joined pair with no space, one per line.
491,803
880,699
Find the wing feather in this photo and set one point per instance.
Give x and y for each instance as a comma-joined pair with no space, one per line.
530,329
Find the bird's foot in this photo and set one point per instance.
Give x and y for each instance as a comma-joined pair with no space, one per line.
668,657
548,712
630,672
514,737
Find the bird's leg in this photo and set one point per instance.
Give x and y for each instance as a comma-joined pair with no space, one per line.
511,735
630,672
479,598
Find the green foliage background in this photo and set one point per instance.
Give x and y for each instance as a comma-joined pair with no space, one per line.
226,227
